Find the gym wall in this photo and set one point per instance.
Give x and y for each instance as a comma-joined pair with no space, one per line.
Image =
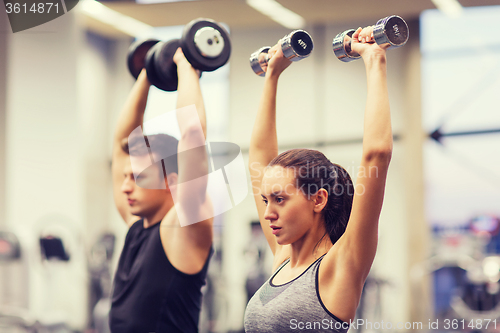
44,165
3,111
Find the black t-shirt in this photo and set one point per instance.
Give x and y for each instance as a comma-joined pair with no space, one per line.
151,295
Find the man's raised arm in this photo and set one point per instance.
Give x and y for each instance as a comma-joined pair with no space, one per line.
130,117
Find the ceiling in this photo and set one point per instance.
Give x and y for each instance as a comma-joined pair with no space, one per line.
237,14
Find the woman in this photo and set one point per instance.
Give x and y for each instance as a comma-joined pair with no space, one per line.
322,232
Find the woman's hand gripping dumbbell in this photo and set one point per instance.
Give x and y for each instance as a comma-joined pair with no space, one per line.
295,46
205,44
389,32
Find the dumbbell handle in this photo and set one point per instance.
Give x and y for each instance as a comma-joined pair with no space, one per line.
295,46
259,60
391,31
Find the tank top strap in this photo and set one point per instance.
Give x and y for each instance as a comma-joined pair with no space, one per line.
315,265
309,271
286,261
312,271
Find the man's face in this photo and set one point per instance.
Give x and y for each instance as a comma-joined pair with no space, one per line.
146,191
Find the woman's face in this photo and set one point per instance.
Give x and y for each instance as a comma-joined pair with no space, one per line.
289,212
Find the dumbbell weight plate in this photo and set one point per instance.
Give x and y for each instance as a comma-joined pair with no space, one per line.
297,45
160,65
209,42
391,30
154,76
137,55
166,69
205,44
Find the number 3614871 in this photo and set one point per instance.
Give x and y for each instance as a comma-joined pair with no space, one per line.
472,324
36,8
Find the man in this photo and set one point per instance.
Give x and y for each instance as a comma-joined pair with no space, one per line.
165,257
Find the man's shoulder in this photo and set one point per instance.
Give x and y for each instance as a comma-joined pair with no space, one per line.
186,247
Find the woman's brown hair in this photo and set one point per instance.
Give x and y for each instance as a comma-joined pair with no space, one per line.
314,171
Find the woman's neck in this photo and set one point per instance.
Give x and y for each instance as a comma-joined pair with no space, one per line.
310,247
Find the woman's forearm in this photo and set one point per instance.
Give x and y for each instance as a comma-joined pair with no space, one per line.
264,141
377,137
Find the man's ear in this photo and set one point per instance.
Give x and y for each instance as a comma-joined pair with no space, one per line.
320,199
172,179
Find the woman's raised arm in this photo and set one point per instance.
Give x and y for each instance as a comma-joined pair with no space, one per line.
264,140
359,243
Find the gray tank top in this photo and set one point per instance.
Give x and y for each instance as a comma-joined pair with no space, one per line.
291,307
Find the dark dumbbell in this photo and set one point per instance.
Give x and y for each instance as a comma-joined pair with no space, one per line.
160,66
391,30
205,44
296,46
137,55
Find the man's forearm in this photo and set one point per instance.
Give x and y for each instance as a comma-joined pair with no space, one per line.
189,93
132,114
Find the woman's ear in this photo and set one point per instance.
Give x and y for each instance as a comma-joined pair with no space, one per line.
320,199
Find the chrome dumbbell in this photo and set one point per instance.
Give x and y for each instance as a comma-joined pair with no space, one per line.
391,30
296,46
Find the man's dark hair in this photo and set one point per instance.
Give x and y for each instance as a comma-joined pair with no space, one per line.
162,146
